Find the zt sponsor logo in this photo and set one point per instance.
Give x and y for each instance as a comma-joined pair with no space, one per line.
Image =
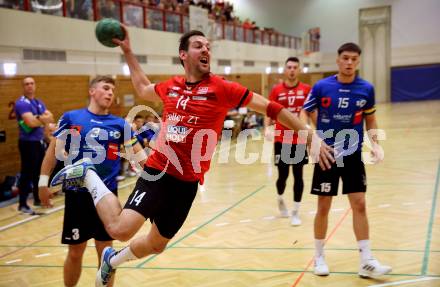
176,134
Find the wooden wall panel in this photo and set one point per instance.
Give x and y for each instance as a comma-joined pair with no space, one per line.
309,78
59,93
250,81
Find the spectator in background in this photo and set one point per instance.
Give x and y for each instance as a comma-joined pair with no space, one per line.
80,9
32,116
133,14
108,9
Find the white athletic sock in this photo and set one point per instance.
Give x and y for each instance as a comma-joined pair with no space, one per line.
364,249
122,256
95,186
319,247
296,206
280,197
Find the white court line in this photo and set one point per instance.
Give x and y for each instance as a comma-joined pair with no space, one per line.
245,220
43,255
222,224
312,212
405,281
337,209
14,261
269,217
408,203
384,205
30,218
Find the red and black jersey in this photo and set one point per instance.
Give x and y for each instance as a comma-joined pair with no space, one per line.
292,98
193,116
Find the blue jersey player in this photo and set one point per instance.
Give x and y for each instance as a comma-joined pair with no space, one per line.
338,106
87,133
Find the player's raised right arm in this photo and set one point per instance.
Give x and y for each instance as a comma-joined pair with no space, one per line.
144,88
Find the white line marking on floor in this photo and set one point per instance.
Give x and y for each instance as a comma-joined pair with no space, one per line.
384,205
405,281
312,212
13,261
49,211
408,203
337,209
19,222
222,224
245,220
269,217
42,255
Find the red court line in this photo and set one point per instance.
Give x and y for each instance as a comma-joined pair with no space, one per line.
328,238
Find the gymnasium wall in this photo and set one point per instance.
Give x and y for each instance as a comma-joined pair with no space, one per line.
415,39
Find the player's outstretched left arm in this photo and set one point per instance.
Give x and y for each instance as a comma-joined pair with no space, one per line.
278,112
141,83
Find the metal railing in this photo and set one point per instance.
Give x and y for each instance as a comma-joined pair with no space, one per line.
140,15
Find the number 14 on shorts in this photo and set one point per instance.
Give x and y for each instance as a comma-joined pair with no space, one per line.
137,198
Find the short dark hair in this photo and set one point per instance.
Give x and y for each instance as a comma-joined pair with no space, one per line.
184,40
349,47
138,117
105,79
292,59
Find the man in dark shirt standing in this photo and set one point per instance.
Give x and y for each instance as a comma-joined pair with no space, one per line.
32,116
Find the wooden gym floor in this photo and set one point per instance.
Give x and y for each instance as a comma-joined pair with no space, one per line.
234,237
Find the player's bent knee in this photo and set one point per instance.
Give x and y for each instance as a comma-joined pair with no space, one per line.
118,233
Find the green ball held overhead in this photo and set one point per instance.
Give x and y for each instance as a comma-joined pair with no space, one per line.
107,29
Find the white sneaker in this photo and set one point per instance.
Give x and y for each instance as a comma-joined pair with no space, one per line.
282,208
295,220
372,268
321,268
120,178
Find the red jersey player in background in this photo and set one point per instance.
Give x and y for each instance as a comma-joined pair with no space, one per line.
194,108
288,149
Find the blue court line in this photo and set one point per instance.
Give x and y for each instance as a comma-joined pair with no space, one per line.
204,224
430,224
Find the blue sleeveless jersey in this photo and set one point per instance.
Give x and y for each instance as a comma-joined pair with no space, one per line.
97,137
341,109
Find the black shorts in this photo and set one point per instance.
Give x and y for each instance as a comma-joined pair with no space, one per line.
166,201
81,221
352,174
290,154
